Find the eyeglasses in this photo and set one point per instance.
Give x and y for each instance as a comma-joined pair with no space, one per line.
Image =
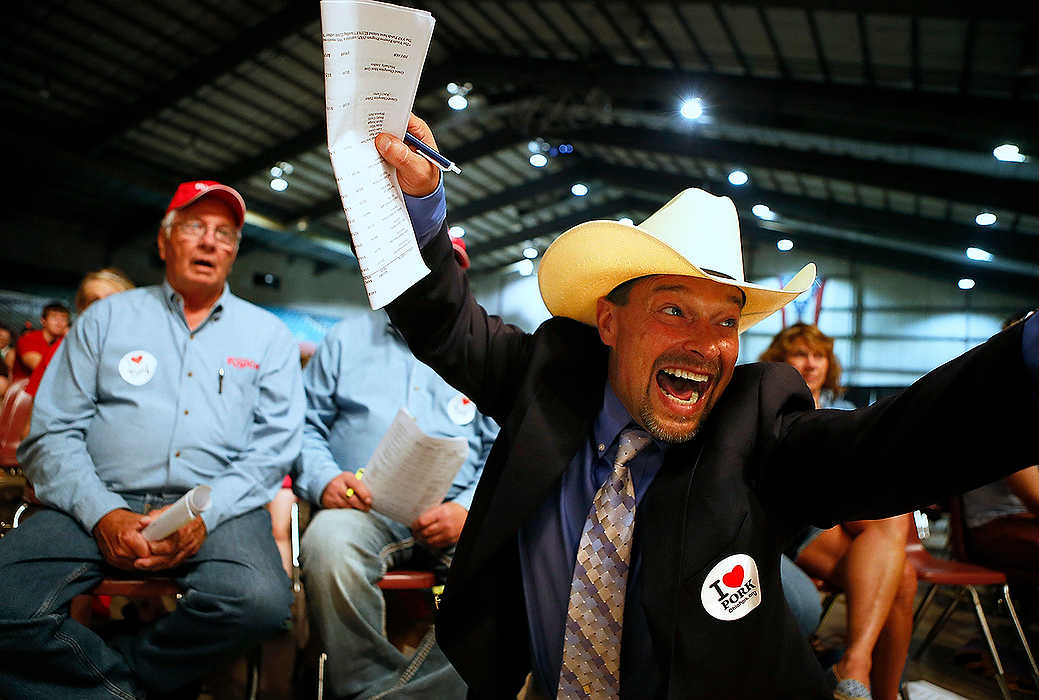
195,229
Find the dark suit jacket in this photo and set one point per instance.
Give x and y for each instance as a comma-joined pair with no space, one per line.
768,465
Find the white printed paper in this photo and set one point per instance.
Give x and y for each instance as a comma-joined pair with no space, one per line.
410,471
374,53
187,508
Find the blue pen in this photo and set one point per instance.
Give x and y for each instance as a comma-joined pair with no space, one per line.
430,155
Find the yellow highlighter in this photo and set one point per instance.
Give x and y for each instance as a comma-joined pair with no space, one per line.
359,473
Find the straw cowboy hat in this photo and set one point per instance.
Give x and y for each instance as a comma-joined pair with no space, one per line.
695,234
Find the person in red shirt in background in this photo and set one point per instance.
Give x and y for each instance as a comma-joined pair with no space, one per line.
32,345
96,285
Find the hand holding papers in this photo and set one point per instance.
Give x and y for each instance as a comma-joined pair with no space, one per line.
410,471
373,58
187,508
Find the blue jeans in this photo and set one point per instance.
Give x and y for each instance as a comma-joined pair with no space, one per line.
345,553
801,596
235,595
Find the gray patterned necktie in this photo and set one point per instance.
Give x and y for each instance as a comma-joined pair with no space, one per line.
595,615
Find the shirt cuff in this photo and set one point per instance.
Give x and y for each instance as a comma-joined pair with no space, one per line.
427,213
1030,350
465,498
88,510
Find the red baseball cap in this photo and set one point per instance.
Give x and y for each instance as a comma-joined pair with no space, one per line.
190,192
460,255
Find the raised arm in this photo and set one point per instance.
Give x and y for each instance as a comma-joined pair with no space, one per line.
445,327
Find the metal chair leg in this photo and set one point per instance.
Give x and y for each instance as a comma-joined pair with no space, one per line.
828,602
938,625
1021,633
321,660
983,622
928,597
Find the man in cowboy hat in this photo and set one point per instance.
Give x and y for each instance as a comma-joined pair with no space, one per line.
625,538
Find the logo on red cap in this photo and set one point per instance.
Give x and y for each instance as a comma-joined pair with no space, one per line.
190,192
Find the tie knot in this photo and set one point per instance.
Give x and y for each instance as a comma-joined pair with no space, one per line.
631,441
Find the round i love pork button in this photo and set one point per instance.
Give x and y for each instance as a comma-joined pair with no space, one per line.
137,367
732,588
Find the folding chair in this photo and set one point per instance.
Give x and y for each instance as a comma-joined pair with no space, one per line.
396,580
965,577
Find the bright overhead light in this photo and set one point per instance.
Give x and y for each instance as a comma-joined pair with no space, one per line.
539,160
279,184
785,244
456,232
738,177
1008,153
965,283
452,88
276,171
979,254
579,189
763,212
530,252
692,108
457,102
626,220
985,218
525,267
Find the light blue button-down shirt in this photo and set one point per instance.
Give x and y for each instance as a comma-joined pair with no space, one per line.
133,403
361,374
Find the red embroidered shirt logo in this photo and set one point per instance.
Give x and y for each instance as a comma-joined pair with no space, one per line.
243,363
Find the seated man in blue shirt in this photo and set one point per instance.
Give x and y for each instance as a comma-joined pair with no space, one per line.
153,392
361,374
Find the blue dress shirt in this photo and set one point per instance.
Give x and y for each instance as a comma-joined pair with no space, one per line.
133,403
360,375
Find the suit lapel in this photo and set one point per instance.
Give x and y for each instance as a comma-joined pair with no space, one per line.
692,513
557,419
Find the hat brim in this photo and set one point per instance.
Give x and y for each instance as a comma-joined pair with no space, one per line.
225,194
588,261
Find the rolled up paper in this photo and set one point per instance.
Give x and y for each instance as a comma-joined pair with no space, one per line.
186,509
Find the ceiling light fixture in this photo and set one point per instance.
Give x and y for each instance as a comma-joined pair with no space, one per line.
279,184
1009,153
979,254
784,244
763,212
456,231
692,108
579,189
985,218
965,283
538,160
530,252
738,177
525,267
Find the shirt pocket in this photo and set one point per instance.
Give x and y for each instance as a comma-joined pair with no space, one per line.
236,404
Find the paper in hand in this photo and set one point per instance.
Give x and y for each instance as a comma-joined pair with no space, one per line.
373,55
410,471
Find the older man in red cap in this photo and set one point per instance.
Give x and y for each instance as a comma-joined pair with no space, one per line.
154,392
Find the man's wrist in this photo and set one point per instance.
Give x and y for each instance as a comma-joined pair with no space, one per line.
427,213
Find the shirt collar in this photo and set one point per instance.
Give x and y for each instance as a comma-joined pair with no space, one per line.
175,301
613,418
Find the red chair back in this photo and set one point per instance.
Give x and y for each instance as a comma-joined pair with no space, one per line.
14,413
